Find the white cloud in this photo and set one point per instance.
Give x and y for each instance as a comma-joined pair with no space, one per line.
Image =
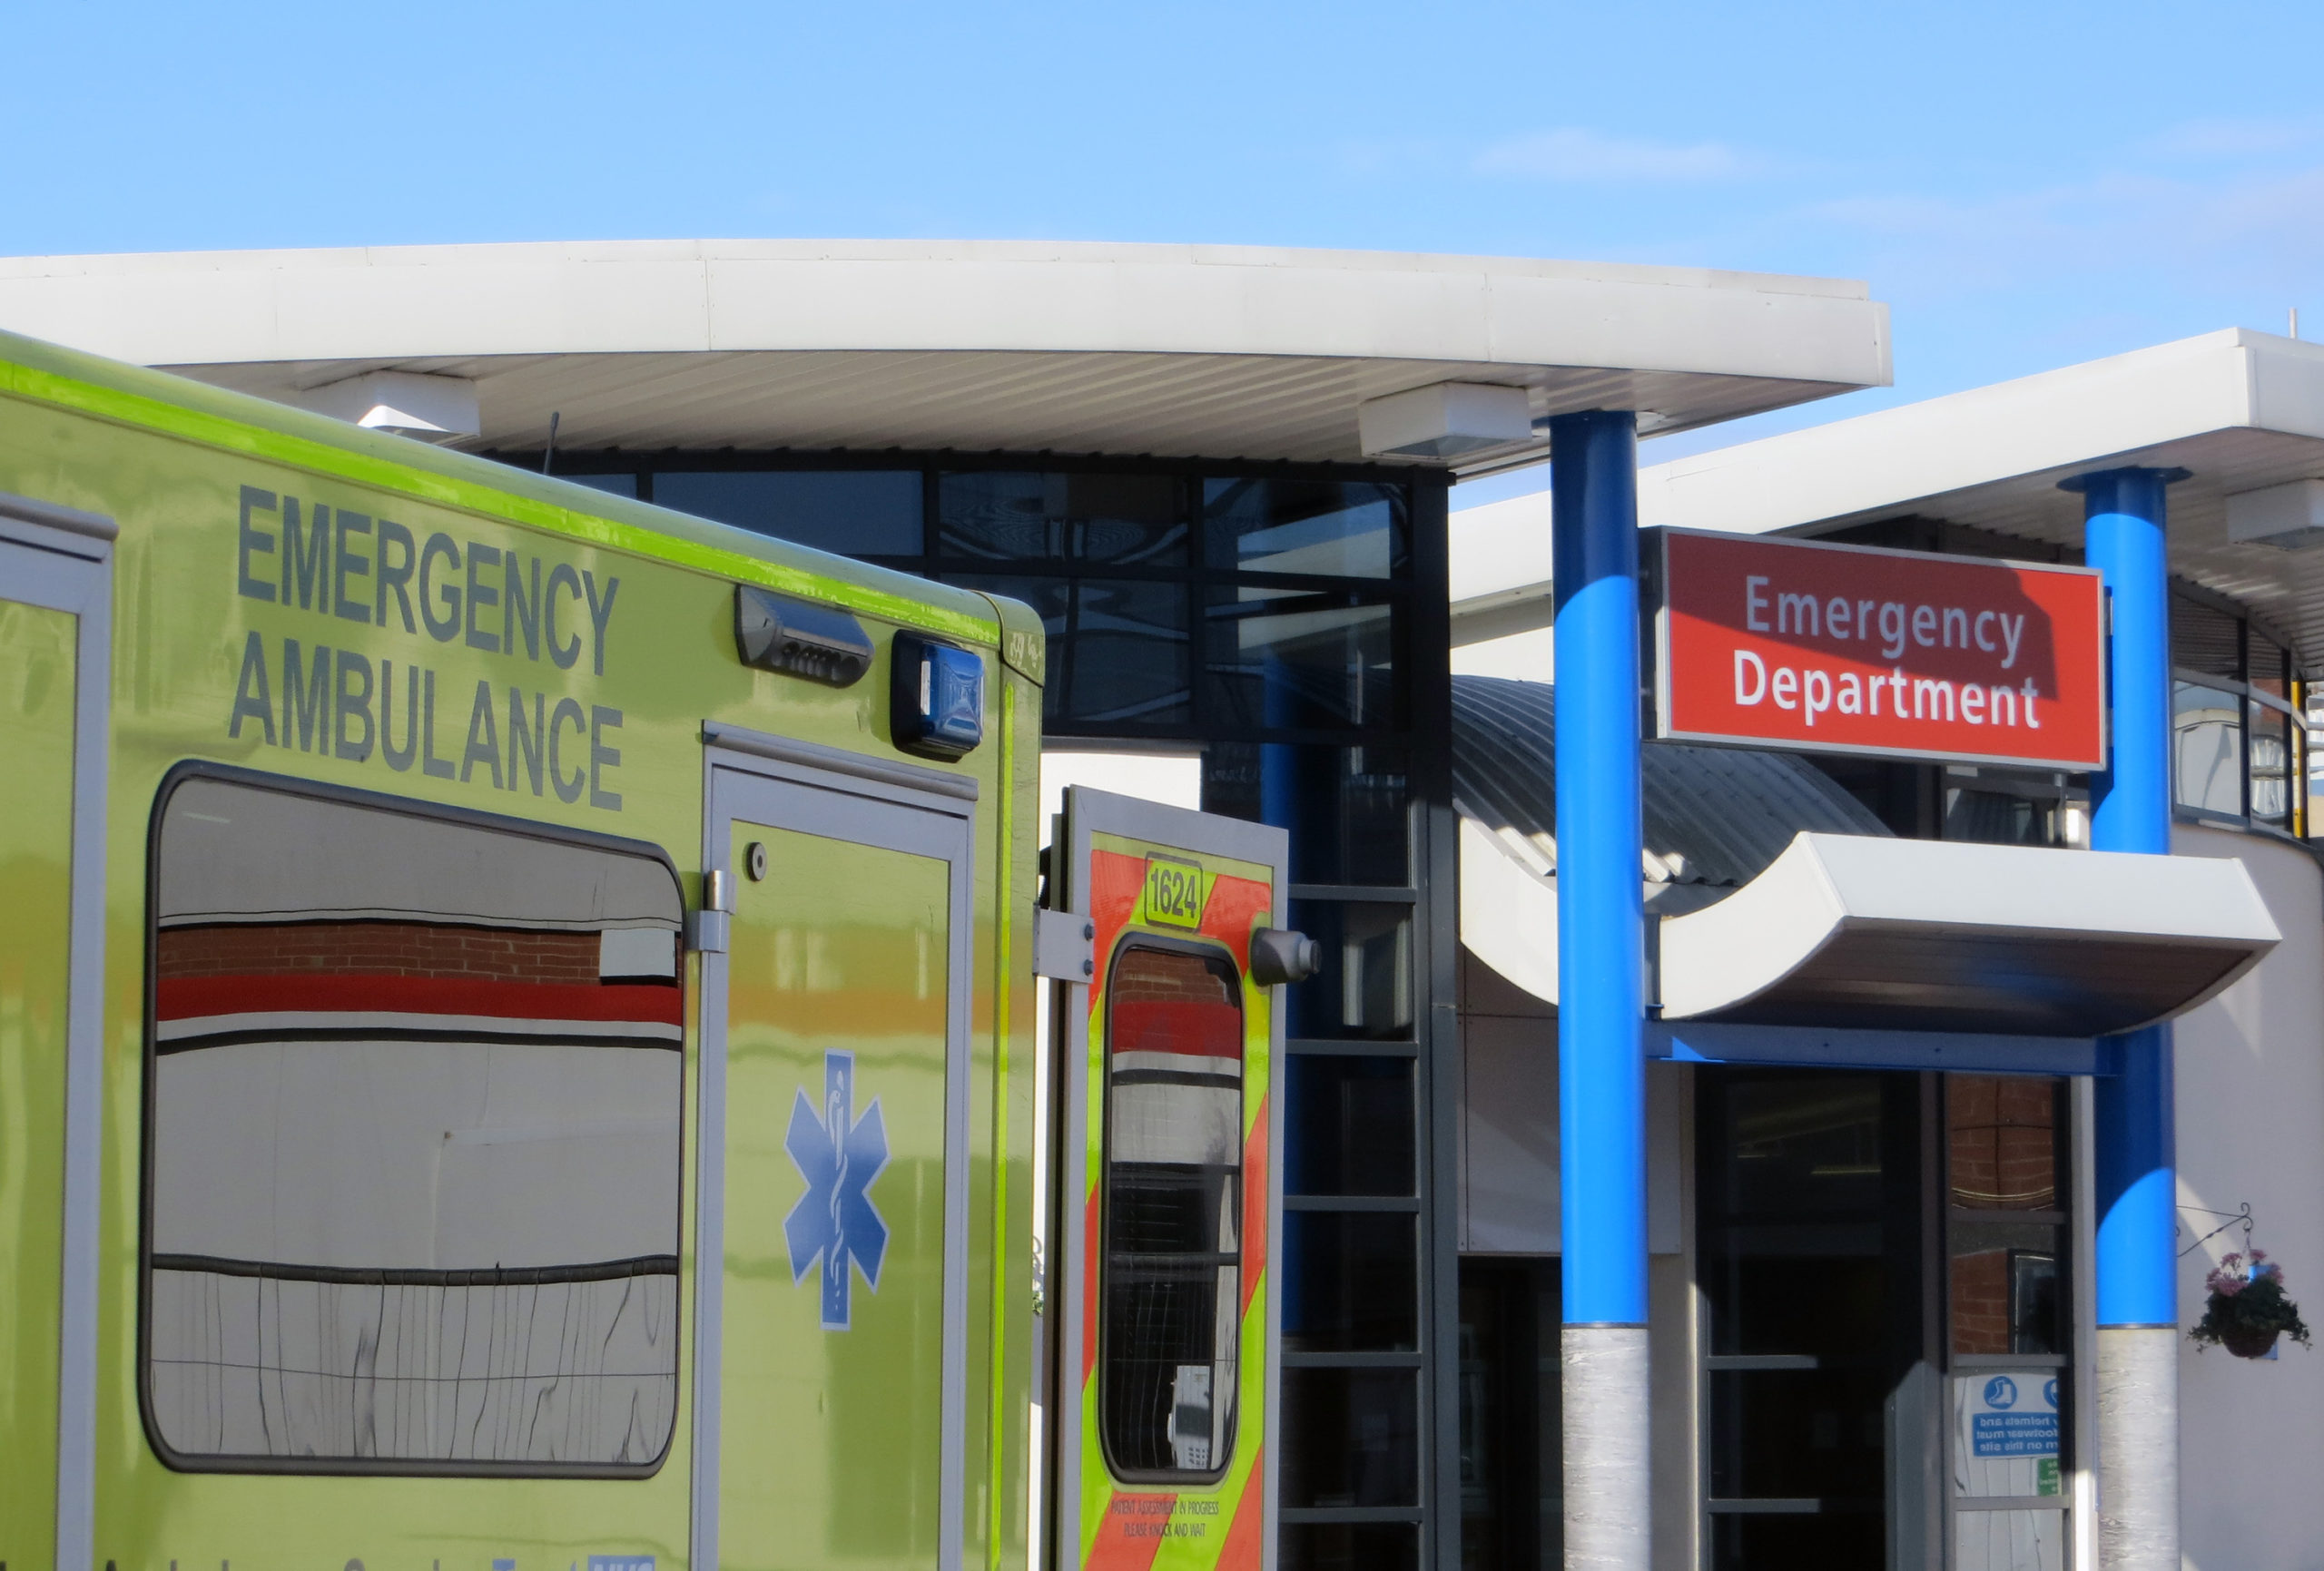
1575,154
2257,232
2234,139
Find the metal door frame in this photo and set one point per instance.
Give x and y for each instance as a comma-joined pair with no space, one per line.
821,790
60,559
1089,812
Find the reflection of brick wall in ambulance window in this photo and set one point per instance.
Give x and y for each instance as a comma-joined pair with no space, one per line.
1169,976
378,949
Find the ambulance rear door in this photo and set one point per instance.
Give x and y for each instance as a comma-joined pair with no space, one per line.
1164,933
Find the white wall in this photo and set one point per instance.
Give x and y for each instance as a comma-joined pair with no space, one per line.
1497,546
2251,1109
1502,544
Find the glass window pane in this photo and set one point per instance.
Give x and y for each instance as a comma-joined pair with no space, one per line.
1350,1546
339,1147
2311,756
2008,1434
1004,515
1365,988
1345,528
1350,1282
1345,807
2205,640
1118,656
1292,659
1170,1282
1351,1437
1801,1146
2207,748
1999,817
2270,666
853,512
2271,762
1348,1125
1817,1290
2008,1293
1835,1538
2005,1151
1512,1457
2005,1140
621,484
1800,1434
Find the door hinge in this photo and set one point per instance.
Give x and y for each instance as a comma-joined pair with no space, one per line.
706,928
1062,945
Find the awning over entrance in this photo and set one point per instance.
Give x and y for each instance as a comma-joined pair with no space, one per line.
1847,930
1844,927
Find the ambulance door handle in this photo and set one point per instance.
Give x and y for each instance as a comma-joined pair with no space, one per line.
1279,955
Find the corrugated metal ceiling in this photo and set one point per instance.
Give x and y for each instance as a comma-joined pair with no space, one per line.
1713,816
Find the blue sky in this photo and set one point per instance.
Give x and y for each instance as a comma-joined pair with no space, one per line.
2027,184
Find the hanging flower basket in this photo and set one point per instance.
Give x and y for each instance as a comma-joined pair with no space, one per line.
2248,1308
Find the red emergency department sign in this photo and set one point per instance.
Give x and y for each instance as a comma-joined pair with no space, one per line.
1797,644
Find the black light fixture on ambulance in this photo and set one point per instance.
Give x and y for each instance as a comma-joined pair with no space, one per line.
937,696
800,638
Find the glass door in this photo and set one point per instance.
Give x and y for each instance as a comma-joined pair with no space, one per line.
1815,1369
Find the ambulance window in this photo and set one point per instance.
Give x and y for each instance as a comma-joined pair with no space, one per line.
1171,1282
412,1187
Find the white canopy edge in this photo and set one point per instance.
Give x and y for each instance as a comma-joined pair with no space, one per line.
1824,886
1509,915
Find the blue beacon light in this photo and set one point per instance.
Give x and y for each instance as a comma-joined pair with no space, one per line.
937,701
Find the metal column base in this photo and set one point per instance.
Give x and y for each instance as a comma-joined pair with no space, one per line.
1609,1495
2138,1447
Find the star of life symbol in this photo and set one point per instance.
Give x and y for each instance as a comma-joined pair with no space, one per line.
838,1155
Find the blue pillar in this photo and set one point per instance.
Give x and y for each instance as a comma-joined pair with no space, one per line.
2124,511
1601,1061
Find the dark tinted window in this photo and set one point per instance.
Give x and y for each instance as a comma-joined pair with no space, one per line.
1117,649
1351,1437
1364,988
624,484
1348,1125
1292,659
1345,806
1342,528
853,512
1352,1285
1005,515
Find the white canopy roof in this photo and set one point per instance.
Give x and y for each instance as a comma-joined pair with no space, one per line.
1212,352
2241,410
1871,932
